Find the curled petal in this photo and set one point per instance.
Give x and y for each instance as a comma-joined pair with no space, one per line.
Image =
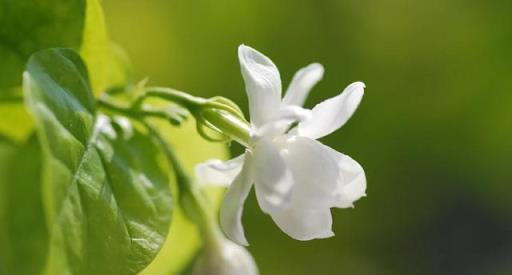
217,172
273,179
351,183
262,83
305,224
302,83
233,204
331,114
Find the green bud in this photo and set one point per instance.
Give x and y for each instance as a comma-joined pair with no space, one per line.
226,123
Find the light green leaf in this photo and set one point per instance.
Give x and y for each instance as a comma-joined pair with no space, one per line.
108,65
23,232
106,190
94,49
119,67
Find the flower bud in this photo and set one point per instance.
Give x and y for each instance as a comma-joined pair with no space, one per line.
227,124
225,258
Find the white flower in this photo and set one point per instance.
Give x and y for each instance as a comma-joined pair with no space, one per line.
297,179
225,258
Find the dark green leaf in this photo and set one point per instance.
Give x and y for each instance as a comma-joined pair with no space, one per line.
26,27
30,26
106,189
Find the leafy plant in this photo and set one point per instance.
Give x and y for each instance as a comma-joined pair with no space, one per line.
107,197
105,184
91,192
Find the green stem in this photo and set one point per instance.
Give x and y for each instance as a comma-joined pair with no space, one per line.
191,199
228,124
181,98
137,112
218,114
110,104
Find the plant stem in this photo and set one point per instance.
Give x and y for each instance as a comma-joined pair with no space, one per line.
190,197
181,98
138,112
229,125
218,114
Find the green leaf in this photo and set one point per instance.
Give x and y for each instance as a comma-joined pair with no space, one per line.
23,232
26,27
183,243
106,188
107,63
30,26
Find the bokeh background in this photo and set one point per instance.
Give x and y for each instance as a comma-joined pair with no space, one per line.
433,133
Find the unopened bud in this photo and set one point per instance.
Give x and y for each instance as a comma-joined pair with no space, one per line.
227,124
225,258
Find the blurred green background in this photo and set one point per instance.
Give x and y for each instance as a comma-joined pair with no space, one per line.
433,132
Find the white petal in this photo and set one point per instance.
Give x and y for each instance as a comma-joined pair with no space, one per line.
233,204
273,180
262,83
351,180
271,130
314,170
295,113
302,83
315,173
217,172
287,116
331,114
305,224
